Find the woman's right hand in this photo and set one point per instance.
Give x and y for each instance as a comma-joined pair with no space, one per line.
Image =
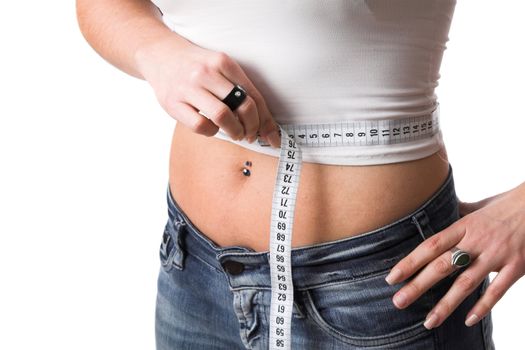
187,78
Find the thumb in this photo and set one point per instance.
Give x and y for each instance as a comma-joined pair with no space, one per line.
270,132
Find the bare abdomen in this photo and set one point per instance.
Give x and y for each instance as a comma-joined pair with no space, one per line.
333,201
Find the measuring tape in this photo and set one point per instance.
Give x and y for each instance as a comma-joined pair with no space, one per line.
354,133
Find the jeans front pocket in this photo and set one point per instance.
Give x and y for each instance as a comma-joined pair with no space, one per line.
361,312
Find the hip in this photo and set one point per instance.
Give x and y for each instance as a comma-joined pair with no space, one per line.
341,300
207,181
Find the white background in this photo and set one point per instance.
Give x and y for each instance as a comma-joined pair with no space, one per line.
84,167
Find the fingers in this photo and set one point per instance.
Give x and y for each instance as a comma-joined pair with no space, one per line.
430,275
505,278
187,115
248,117
207,88
267,128
462,287
193,87
219,113
427,251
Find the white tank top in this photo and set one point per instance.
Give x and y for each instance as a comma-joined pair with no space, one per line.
327,61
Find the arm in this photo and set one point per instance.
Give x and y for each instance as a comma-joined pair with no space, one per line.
492,231
186,78
121,30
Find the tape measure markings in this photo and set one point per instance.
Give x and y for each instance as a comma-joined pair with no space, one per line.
283,207
359,133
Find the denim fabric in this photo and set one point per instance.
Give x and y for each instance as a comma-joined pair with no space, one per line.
212,297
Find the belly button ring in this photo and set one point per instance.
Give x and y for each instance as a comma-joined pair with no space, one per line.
246,172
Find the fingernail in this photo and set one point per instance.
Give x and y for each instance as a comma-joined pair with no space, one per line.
471,320
250,139
393,276
274,138
400,299
431,321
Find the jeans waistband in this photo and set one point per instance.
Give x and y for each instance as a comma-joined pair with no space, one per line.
352,257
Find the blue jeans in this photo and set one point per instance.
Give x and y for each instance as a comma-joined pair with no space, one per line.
212,297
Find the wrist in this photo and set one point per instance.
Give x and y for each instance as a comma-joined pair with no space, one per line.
148,54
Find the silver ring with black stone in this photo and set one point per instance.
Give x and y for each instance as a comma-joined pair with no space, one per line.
460,258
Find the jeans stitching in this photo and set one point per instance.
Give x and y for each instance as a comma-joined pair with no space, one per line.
204,261
346,280
403,335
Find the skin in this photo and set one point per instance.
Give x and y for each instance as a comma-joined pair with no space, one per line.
130,35
486,228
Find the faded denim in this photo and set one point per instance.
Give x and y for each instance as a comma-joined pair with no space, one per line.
212,297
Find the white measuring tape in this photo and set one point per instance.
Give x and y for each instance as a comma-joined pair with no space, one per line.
355,133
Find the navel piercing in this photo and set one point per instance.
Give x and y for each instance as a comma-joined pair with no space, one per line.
246,172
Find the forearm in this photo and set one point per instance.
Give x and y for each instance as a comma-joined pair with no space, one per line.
122,30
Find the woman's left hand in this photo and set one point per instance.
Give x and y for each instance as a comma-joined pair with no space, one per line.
492,231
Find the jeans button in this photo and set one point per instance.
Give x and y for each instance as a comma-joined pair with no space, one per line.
233,267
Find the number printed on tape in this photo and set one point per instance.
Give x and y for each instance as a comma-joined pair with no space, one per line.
362,132
280,243
358,133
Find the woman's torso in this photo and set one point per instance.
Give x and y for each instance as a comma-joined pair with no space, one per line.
314,62
333,202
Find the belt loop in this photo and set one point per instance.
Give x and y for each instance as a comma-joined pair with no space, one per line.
178,230
422,222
